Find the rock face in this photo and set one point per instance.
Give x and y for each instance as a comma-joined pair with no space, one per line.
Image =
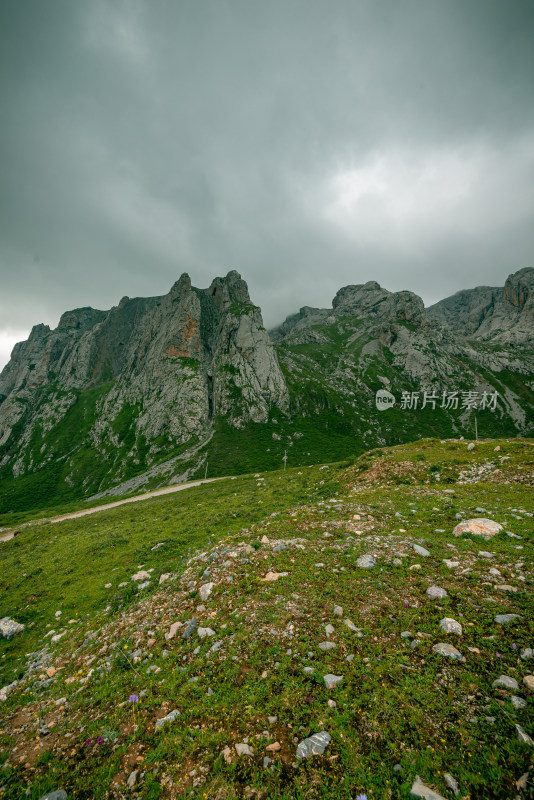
149,391
140,381
504,315
375,339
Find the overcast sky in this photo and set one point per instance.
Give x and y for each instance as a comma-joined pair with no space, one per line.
308,144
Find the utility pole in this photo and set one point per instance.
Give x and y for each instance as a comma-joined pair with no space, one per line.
206,473
284,459
476,430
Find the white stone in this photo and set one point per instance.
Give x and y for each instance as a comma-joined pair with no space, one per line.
205,591
523,736
420,790
436,592
8,627
332,681
450,625
366,561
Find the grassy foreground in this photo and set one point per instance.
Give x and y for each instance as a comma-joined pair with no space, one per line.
252,673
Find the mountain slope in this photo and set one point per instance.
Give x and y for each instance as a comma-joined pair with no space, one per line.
106,396
270,569
160,390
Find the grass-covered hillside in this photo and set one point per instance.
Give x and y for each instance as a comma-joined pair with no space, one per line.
186,646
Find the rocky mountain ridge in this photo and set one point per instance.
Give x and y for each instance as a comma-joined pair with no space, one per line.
504,315
156,390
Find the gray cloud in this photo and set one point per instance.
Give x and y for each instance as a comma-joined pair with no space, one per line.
306,144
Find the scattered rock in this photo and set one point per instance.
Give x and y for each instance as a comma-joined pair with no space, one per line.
171,717
5,690
58,794
313,745
451,783
507,682
274,747
8,627
132,779
450,625
436,592
326,645
273,576
523,736
205,591
526,653
480,526
338,611
202,632
242,749
332,681
450,563
420,790
366,561
504,619
422,551
172,631
444,649
190,628
142,575
518,702
528,680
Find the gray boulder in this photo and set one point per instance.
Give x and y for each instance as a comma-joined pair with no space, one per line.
313,745
443,649
8,627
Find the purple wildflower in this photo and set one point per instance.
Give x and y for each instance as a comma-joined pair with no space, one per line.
133,698
361,797
514,645
99,740
88,742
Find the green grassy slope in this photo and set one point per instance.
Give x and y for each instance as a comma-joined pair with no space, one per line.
399,702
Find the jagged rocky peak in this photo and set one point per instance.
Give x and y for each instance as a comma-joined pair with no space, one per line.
371,300
82,319
504,315
164,366
231,289
519,287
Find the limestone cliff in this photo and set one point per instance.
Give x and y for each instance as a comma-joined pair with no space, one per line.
152,375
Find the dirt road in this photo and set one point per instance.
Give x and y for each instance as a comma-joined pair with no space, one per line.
5,537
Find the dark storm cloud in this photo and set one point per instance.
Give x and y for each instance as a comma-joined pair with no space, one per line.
306,144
